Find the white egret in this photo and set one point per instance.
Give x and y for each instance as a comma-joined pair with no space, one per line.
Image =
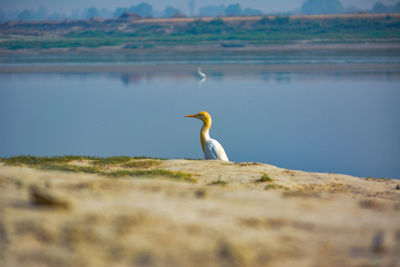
202,74
212,148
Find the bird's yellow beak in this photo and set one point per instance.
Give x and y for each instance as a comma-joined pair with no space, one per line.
191,116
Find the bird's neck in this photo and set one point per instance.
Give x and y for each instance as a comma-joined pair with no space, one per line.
205,133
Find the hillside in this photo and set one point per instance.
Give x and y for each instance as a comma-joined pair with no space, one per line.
80,211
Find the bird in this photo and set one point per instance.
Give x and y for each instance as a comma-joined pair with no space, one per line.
212,148
202,74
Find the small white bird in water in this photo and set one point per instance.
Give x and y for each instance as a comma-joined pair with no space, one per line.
202,74
212,148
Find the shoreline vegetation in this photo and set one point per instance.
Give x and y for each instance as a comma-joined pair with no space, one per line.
105,165
129,166
226,33
89,211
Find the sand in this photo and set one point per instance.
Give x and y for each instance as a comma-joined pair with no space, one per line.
228,217
312,46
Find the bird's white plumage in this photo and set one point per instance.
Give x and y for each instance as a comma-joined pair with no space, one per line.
214,150
202,74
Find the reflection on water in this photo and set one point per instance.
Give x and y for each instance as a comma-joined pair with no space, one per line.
287,56
330,122
130,79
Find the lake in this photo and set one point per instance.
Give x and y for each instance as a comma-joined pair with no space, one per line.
321,113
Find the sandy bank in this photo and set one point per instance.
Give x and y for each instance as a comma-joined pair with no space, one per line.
230,216
302,45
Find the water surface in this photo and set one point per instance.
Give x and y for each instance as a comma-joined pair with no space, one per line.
331,121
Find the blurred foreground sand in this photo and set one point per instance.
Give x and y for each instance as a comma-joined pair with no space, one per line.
228,217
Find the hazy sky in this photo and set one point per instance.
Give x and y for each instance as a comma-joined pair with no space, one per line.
264,5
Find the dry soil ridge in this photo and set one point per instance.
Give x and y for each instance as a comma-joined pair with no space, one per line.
306,219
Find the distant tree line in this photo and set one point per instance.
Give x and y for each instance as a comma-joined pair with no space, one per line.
230,10
381,8
322,7
265,30
336,7
146,10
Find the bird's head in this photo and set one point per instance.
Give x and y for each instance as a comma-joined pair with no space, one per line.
202,115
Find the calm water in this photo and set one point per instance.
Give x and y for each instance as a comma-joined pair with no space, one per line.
330,122
258,57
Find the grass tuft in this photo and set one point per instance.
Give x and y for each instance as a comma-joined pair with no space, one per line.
377,179
182,176
61,164
275,186
138,164
111,160
68,168
264,178
218,182
32,160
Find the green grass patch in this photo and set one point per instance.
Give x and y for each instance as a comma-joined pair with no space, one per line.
32,160
144,157
111,160
141,164
68,168
264,178
218,182
377,179
61,43
182,176
274,186
60,163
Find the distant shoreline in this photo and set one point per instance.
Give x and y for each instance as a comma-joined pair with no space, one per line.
127,35
173,52
211,48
